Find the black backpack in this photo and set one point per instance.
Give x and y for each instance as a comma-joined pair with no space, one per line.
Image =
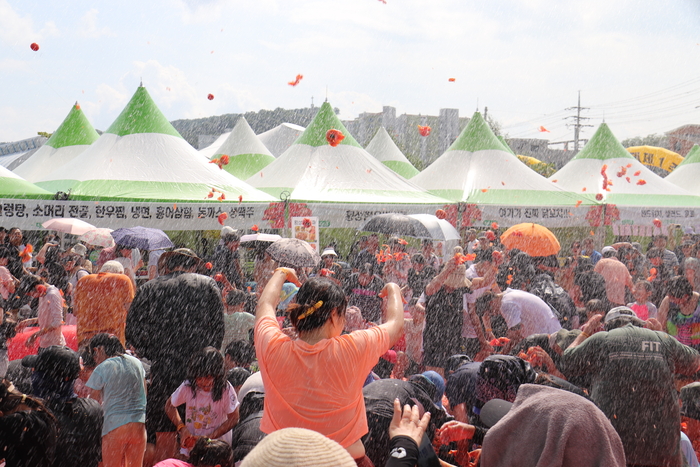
556,297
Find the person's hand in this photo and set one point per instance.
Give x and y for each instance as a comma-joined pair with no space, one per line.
22,325
654,324
408,423
538,357
187,440
389,287
290,275
30,341
455,431
592,325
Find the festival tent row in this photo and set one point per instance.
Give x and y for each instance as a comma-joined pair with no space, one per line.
487,182
247,154
276,140
142,157
338,178
69,140
632,193
385,150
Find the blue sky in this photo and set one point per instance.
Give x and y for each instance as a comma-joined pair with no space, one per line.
636,62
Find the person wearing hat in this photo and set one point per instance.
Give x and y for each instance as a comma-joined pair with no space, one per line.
101,302
226,258
329,267
49,314
632,372
79,419
171,318
443,314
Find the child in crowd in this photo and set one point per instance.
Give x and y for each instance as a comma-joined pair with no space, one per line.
119,382
211,409
644,309
238,323
205,453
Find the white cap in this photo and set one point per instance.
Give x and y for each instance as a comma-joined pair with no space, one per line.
227,231
329,251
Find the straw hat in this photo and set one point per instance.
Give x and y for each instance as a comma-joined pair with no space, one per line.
298,447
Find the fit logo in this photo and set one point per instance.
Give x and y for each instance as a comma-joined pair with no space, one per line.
651,346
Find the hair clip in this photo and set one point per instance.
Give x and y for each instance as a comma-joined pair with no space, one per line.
311,310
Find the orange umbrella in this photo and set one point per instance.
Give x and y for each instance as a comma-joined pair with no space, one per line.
533,239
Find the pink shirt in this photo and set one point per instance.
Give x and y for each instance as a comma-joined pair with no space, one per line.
50,314
5,282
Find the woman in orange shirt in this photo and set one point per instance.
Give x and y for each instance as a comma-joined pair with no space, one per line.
315,382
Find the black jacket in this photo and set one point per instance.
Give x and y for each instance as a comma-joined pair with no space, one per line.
174,316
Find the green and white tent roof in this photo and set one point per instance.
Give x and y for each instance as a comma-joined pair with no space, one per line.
312,170
281,137
13,186
478,168
69,140
142,157
687,174
212,149
385,150
247,154
632,183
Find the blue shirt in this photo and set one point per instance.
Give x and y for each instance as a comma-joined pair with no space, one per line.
121,380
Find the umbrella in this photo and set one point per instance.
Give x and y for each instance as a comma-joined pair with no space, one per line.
259,241
98,237
439,229
143,238
68,225
259,237
414,225
533,239
294,252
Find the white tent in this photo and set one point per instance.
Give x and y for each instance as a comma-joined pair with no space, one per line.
633,194
385,150
479,171
247,154
687,174
69,140
278,139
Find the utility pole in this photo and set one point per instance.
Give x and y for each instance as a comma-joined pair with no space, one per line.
577,125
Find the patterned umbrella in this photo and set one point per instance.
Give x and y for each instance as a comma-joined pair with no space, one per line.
98,237
143,238
294,252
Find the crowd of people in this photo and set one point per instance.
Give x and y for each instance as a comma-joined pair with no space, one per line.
397,354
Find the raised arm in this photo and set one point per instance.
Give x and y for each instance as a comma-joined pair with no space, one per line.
270,298
394,311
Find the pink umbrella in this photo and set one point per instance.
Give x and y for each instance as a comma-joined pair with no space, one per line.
68,225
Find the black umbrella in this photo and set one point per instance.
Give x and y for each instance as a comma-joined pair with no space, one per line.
399,225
